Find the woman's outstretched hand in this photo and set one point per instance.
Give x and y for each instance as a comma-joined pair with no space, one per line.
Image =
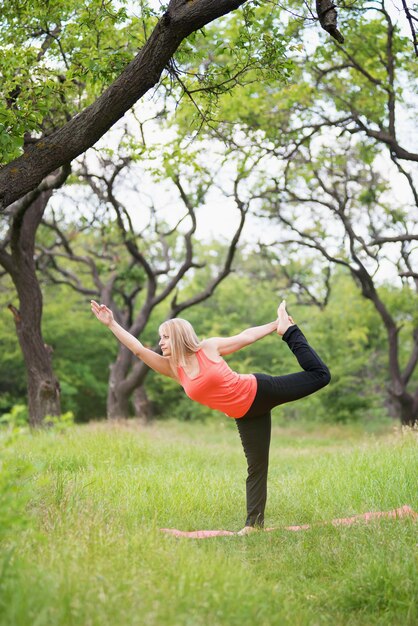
103,314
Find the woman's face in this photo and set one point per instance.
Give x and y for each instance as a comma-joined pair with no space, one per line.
165,343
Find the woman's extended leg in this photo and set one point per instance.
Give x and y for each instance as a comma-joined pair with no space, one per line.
275,390
255,437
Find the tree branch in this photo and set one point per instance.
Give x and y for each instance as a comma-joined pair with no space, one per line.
394,239
327,16
413,360
180,20
177,307
411,20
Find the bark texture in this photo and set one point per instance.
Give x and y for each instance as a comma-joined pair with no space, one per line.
327,16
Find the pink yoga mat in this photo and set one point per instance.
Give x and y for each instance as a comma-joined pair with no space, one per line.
403,511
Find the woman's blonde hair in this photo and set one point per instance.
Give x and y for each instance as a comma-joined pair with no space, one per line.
183,339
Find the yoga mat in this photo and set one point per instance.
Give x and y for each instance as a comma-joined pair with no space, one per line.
403,511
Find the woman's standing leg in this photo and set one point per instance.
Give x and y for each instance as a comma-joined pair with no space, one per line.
255,433
255,427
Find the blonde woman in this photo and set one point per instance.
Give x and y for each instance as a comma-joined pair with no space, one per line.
199,368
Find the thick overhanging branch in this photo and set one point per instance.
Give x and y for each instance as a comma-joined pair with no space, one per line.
182,18
85,129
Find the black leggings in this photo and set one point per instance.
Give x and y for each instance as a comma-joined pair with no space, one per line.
255,427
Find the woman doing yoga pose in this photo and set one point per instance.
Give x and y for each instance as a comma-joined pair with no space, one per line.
199,368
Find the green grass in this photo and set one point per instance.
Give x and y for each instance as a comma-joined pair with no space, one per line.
80,513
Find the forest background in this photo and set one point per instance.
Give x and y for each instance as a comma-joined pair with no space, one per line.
305,141
205,159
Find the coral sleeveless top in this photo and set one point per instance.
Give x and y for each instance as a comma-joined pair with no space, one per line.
219,387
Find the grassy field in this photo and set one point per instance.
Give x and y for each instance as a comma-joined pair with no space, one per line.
80,514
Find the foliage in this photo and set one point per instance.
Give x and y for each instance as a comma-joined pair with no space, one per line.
16,418
246,50
57,57
346,335
61,422
359,83
81,354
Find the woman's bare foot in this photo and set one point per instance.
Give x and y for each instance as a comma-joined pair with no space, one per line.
284,320
247,530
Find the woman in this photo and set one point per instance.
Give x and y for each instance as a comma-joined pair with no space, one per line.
199,368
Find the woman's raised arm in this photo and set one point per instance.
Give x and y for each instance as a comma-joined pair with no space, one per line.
160,364
228,345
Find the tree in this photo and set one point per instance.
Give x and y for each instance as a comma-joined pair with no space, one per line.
123,82
352,215
69,72
347,221
39,98
134,272
17,257
323,141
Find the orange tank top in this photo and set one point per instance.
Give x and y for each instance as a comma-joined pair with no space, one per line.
219,387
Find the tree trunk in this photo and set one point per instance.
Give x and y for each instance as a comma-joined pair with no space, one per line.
406,409
118,405
119,392
43,386
142,404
